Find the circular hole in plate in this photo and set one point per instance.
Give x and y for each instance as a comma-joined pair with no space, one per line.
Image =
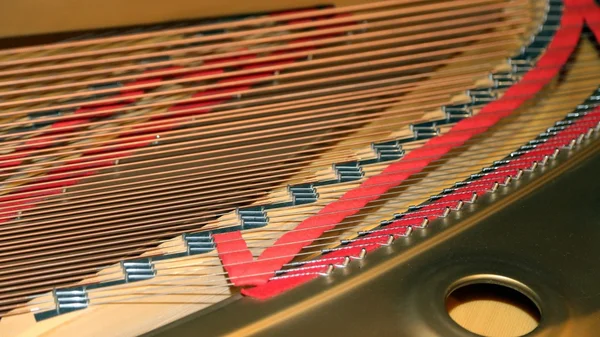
489,308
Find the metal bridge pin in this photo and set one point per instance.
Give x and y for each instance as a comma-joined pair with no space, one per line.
425,222
460,205
344,264
507,180
446,212
555,153
473,197
580,138
519,174
362,254
589,133
545,160
572,144
276,74
533,166
495,186
389,241
328,271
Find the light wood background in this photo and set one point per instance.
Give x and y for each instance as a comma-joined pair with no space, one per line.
31,17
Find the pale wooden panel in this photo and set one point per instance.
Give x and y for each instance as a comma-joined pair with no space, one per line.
30,17
493,318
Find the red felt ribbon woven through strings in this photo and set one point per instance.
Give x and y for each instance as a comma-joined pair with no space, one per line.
244,270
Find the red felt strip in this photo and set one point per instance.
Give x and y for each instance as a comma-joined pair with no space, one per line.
589,10
378,238
289,244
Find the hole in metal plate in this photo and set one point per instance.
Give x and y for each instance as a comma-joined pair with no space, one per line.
493,306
